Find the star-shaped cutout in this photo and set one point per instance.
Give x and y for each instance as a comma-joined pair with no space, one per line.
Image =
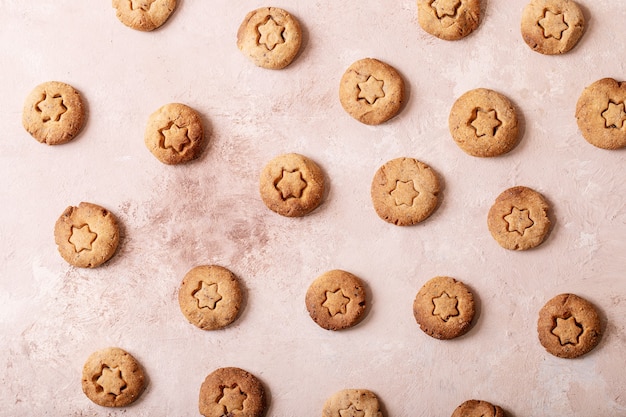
291,184
445,7
207,295
567,330
175,138
232,399
271,34
518,220
336,302
404,193
371,90
82,238
111,381
445,306
141,4
485,123
351,411
51,108
614,115
553,25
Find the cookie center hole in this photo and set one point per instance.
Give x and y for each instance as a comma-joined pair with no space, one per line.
371,90
290,184
336,302
485,122
144,5
567,329
109,381
206,295
174,137
231,398
518,220
553,24
614,115
51,107
445,8
270,34
445,306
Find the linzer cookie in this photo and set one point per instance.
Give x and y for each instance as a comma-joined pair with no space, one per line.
478,408
448,19
552,26
144,15
232,392
352,402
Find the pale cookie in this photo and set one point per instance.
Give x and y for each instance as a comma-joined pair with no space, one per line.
477,408
174,134
144,15
352,403
87,236
336,300
405,191
210,297
232,392
448,19
518,220
552,27
371,91
270,37
112,378
444,308
53,113
483,123
569,326
292,185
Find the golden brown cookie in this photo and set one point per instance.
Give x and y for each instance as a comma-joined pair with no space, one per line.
477,408
448,19
552,27
144,15
336,300
210,297
232,392
352,403
371,91
270,37
174,134
112,377
292,185
484,123
569,326
518,220
405,191
87,236
53,113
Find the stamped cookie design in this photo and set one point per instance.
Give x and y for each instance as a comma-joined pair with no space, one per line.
352,403
552,27
478,408
144,15
448,19
232,392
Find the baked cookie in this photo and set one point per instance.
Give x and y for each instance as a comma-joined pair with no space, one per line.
53,113
600,114
210,297
483,123
405,191
292,185
336,300
518,220
569,326
86,236
552,27
174,134
231,392
448,19
444,308
477,408
144,15
371,91
112,378
352,403
270,37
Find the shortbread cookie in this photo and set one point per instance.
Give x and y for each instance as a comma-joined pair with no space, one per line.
518,220
484,123
352,402
405,191
53,113
210,297
336,300
112,377
552,27
232,392
444,308
569,326
292,185
174,134
477,408
601,114
87,236
144,15
448,19
270,37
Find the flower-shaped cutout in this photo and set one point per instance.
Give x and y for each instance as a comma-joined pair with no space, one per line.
567,330
141,4
445,7
336,302
404,193
371,90
351,411
553,25
518,220
207,295
111,381
51,107
445,306
271,34
614,115
486,123
82,238
291,184
175,137
232,399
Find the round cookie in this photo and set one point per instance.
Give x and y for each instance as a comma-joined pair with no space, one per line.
483,123
174,134
270,37
405,191
568,326
210,297
371,91
448,19
112,377
231,392
352,402
518,220
336,300
444,308
144,15
552,27
53,113
292,185
477,408
86,236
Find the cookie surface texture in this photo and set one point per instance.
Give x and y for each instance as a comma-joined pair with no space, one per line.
53,113
112,377
144,15
405,191
336,300
484,123
552,27
352,402
448,19
210,297
569,326
86,236
292,185
478,408
232,392
518,220
270,37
